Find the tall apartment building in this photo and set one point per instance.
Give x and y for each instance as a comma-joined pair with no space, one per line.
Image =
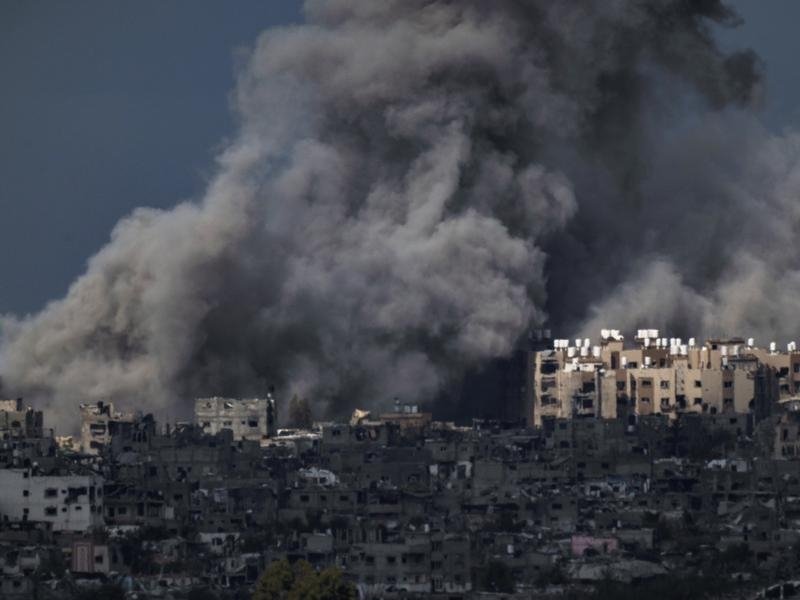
659,375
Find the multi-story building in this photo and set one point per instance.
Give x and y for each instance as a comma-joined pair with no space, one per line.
249,419
659,376
19,421
100,423
68,502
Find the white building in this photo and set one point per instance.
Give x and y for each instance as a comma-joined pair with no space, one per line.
69,502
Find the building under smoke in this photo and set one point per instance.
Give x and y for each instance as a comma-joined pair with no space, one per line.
249,419
413,185
660,376
100,422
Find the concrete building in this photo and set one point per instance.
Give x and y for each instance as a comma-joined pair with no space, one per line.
18,420
68,502
249,419
100,423
407,416
659,376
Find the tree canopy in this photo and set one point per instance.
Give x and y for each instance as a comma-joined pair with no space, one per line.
299,581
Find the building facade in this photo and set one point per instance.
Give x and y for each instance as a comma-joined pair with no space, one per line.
249,419
67,502
658,375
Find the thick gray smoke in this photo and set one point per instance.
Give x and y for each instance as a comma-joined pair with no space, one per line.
414,184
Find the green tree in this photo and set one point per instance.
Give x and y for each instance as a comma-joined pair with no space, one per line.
300,415
282,581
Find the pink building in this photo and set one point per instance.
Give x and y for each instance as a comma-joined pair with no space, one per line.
581,543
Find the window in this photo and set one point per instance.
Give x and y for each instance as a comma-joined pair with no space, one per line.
26,493
50,511
698,401
644,399
665,403
698,383
665,385
548,368
253,423
51,493
646,383
727,384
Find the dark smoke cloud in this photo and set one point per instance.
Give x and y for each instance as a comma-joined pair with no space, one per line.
415,183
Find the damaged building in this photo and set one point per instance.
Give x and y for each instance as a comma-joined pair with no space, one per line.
642,464
249,419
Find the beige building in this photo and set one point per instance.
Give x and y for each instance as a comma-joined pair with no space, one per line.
656,375
99,423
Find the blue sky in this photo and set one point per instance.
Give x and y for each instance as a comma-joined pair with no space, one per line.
108,105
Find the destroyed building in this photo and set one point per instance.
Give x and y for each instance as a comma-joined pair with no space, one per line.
248,419
99,423
623,480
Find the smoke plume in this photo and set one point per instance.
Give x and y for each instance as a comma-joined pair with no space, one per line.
415,183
